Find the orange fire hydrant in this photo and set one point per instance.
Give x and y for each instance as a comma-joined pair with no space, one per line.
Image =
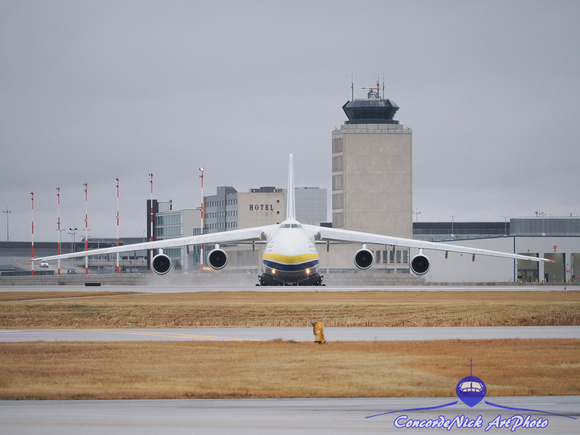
318,330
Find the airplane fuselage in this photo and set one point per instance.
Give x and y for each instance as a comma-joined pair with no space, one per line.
290,257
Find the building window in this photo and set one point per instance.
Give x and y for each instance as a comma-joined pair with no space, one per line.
337,201
337,164
338,220
337,182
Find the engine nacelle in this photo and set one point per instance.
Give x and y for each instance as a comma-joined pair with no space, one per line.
217,259
161,264
420,264
364,259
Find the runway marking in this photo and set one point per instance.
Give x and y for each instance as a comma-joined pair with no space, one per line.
170,335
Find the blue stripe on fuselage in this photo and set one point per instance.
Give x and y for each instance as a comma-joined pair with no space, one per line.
290,267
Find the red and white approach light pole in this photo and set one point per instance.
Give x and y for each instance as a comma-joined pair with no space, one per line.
32,194
117,223
202,221
151,239
86,227
58,225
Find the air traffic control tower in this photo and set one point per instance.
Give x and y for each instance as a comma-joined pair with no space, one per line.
372,177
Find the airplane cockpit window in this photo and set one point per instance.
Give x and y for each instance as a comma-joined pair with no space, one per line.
290,226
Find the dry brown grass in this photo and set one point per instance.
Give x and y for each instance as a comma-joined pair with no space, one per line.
289,309
285,369
26,296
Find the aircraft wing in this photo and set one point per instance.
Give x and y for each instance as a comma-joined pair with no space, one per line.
235,236
324,234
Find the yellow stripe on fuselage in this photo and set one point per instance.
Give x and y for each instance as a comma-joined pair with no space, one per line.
291,259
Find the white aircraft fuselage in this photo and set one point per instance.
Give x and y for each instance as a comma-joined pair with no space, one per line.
290,257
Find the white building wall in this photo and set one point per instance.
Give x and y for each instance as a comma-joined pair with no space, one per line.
372,184
373,179
461,268
310,205
260,208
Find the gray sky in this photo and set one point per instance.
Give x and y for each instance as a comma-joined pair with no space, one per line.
91,91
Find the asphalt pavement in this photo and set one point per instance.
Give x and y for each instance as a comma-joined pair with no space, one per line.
295,334
558,415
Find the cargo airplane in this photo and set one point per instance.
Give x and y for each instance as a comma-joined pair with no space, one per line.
290,255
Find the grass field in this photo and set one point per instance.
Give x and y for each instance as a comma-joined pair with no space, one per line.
285,369
289,309
139,370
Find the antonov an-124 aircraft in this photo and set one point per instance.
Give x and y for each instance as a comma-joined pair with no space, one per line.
290,256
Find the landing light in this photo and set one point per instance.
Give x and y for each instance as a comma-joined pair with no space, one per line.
273,271
307,271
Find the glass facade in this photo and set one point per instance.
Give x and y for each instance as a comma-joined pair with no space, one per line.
168,225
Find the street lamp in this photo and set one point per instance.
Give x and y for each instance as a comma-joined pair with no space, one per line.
32,263
117,223
417,213
7,213
452,231
151,223
58,226
541,213
73,238
86,227
202,223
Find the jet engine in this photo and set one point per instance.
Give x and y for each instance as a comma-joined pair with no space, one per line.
217,259
364,259
420,264
161,264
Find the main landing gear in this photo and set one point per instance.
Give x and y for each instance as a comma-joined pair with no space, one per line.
315,282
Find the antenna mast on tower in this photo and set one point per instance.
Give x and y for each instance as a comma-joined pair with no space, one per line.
351,86
375,92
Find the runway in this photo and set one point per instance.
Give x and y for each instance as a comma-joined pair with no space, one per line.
196,288
294,334
286,416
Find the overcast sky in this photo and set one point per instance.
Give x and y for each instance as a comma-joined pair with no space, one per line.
91,91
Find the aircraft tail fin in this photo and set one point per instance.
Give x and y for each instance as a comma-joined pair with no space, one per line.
290,203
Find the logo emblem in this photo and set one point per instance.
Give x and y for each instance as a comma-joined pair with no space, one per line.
471,390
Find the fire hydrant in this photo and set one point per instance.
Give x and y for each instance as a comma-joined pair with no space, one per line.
318,330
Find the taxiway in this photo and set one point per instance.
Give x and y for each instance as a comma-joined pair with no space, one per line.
294,334
267,416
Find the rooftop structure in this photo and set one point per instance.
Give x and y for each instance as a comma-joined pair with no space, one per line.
373,110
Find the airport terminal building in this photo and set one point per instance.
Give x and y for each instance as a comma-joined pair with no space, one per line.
556,238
